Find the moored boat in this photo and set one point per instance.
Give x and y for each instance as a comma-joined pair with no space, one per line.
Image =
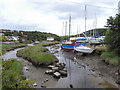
83,49
67,45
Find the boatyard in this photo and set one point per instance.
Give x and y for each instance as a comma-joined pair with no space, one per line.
81,72
60,44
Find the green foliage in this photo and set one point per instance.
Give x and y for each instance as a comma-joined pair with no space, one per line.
31,36
112,40
112,57
3,38
20,40
12,75
49,43
98,32
37,54
7,47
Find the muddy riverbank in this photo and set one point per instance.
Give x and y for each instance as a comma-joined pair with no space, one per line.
83,71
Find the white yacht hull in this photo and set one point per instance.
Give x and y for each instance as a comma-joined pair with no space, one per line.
83,49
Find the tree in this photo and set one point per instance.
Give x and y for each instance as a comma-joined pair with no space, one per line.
20,40
112,38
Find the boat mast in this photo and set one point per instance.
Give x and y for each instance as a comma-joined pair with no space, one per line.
62,31
62,28
85,18
65,29
93,28
77,30
69,26
95,25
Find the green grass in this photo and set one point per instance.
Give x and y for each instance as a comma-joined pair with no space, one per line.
7,47
37,54
112,57
98,47
12,75
17,66
49,43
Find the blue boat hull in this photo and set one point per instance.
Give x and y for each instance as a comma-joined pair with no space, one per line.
67,47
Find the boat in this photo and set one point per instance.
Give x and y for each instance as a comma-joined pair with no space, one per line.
94,41
82,41
67,45
83,49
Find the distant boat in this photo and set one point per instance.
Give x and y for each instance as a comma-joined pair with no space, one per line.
83,49
96,40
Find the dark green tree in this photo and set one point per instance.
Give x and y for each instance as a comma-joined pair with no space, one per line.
112,39
20,40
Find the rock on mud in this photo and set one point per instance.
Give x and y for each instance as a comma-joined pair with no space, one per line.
51,66
49,72
55,68
43,86
60,65
57,75
63,72
35,84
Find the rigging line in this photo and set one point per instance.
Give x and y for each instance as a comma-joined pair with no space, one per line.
91,5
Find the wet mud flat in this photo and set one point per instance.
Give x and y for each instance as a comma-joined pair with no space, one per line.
82,72
93,67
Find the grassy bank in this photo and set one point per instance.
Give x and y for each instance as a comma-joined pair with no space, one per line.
49,43
11,46
12,75
37,54
98,47
111,57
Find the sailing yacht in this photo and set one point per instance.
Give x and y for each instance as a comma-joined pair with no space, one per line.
80,48
67,44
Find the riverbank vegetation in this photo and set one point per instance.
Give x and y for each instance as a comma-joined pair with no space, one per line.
38,54
12,75
49,43
98,47
112,40
28,36
11,46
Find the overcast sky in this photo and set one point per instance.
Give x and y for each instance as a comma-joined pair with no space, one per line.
49,15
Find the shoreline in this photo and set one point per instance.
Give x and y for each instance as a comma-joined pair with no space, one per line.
33,74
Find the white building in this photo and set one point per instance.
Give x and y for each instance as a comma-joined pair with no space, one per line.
50,39
12,38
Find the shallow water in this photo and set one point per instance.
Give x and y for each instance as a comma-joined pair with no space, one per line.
79,74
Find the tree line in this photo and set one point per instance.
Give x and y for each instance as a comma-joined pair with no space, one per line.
31,36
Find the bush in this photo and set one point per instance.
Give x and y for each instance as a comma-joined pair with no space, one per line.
12,75
110,56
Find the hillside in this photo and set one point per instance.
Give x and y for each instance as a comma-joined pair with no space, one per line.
29,35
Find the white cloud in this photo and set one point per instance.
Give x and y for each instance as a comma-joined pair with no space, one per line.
45,15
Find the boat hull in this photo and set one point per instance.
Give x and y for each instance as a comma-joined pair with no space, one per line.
67,47
83,49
